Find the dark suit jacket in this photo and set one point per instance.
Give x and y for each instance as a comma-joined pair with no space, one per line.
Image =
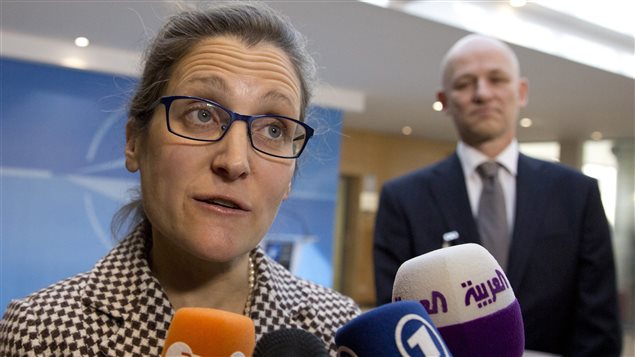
560,263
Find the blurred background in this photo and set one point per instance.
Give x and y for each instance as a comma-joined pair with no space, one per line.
67,69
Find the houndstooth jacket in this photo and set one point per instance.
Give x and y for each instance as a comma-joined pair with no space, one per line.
119,308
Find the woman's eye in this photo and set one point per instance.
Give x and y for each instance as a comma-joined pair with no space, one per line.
274,131
270,129
204,115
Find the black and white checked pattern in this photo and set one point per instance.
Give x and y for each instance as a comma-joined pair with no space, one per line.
119,309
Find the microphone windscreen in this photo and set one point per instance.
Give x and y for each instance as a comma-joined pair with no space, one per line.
468,297
198,331
396,329
290,342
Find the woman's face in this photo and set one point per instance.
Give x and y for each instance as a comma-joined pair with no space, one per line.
217,200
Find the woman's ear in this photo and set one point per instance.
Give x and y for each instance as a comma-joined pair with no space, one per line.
286,194
132,147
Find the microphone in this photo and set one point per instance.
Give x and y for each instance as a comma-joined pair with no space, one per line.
290,342
203,332
396,329
468,297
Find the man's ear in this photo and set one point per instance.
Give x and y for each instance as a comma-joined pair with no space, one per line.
132,147
523,91
442,98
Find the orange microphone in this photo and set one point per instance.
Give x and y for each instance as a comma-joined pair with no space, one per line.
203,332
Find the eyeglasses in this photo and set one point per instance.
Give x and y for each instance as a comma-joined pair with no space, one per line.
203,120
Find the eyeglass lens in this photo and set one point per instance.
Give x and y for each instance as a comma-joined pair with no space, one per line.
200,120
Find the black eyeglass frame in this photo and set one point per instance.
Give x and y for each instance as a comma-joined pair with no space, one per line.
167,102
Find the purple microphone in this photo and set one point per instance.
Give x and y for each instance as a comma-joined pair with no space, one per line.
468,297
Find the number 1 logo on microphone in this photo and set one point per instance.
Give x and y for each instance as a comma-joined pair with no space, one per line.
419,336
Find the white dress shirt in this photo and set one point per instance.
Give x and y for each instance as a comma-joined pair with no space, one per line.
508,159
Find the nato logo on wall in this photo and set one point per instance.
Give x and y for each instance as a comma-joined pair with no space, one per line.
63,178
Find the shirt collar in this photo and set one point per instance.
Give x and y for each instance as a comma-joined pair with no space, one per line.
470,157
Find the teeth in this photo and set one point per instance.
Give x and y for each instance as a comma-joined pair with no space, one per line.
223,203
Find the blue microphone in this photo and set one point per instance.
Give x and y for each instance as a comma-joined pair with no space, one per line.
397,329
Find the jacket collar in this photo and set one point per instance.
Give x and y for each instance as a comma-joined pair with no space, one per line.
122,287
121,278
277,289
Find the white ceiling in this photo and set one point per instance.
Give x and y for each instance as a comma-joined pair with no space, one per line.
390,57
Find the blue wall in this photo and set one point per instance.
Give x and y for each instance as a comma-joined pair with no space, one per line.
63,177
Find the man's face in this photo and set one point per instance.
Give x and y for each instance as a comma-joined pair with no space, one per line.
483,92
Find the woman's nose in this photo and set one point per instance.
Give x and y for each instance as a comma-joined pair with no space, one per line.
231,154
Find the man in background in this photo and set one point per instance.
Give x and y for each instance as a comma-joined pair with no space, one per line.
543,222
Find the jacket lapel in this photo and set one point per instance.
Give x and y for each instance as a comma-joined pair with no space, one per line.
122,290
450,194
277,304
529,194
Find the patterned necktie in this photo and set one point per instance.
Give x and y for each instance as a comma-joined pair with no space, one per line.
492,217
